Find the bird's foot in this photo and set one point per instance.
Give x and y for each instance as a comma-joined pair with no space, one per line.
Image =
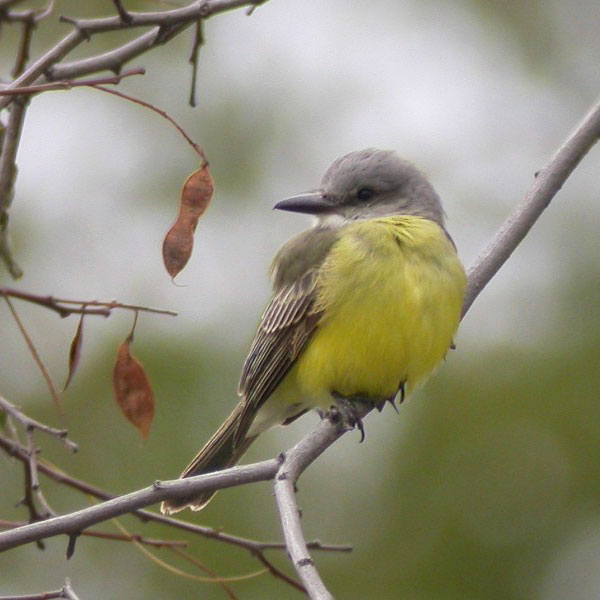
348,411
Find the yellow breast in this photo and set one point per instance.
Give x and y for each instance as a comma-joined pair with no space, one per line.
391,290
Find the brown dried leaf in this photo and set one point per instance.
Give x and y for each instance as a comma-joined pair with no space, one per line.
195,197
75,351
133,391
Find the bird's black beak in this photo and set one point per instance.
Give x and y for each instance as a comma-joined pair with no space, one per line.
310,203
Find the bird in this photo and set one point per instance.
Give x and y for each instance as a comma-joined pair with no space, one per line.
365,306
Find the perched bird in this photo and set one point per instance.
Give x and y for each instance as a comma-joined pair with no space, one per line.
365,305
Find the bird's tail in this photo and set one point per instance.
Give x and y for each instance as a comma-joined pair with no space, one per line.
220,452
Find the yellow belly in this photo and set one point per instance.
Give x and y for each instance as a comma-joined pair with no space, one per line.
392,291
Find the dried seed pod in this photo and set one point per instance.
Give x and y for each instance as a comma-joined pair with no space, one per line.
195,197
133,391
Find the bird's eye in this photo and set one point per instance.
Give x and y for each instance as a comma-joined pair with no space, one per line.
365,194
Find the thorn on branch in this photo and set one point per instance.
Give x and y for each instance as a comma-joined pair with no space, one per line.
123,14
71,546
197,43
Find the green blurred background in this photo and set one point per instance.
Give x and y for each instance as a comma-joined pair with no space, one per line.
485,485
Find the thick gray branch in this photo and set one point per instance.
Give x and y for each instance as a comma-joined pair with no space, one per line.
74,523
294,463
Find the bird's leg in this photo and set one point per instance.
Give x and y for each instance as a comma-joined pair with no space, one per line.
392,399
349,411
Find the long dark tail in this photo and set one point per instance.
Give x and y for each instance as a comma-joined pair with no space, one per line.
220,452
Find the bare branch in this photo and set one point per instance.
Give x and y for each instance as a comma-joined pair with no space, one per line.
36,357
167,24
193,60
107,535
67,85
548,182
10,143
68,591
15,449
65,307
30,424
72,524
294,463
24,44
8,173
35,15
56,53
65,592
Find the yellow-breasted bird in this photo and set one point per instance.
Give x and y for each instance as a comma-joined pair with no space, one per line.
365,305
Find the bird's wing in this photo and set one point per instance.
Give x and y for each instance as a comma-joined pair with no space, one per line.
286,326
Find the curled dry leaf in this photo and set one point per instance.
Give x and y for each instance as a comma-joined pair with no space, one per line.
132,388
75,351
195,197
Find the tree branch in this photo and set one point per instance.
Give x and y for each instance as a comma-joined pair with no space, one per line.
73,523
167,24
65,592
67,85
30,424
294,463
65,307
8,173
547,183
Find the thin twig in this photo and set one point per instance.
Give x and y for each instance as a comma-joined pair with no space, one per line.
8,174
32,483
24,45
30,424
68,591
162,113
107,535
5,248
168,24
226,587
278,573
193,60
79,306
28,502
123,14
65,592
36,357
10,143
67,85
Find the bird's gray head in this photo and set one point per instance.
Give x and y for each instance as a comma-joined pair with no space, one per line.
368,184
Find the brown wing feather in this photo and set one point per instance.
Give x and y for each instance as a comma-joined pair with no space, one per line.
286,326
